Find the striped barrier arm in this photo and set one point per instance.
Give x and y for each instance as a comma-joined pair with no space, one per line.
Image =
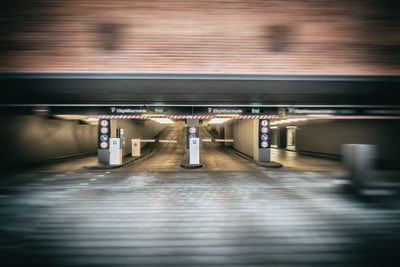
157,141
218,140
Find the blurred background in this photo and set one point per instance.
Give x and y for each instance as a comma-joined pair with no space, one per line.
251,37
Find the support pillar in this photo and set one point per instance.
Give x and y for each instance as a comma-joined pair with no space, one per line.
282,137
103,140
228,134
189,124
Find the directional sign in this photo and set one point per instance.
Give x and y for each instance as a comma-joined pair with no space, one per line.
157,110
264,137
104,137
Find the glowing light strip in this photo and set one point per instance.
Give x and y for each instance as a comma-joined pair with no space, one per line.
162,120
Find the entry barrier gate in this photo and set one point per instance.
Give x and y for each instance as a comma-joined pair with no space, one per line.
217,140
136,147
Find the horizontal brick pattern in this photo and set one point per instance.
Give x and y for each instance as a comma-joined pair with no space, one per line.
254,37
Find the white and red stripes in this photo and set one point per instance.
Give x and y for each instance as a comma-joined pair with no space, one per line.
120,117
177,117
218,140
157,141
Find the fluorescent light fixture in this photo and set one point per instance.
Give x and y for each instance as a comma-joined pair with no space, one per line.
289,120
218,120
291,127
153,115
92,119
71,117
227,115
274,127
162,120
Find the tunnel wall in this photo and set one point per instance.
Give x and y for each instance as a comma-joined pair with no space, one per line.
274,137
243,135
328,136
32,139
137,129
28,139
217,130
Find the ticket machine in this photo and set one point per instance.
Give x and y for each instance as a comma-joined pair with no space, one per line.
115,151
194,150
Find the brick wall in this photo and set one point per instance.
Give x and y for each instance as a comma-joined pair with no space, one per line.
255,37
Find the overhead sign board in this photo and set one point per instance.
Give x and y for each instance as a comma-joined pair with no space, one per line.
164,110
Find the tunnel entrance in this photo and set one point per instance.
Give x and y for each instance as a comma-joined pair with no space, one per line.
167,129
70,131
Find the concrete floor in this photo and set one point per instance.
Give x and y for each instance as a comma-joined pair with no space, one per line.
297,161
229,213
168,156
207,218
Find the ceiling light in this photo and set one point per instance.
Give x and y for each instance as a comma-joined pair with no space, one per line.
218,120
162,120
92,119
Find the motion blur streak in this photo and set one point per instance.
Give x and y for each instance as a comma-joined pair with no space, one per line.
191,36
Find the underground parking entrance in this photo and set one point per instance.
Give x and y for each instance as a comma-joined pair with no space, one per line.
159,138
193,138
150,138
152,211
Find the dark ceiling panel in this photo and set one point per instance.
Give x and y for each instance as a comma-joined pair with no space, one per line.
20,88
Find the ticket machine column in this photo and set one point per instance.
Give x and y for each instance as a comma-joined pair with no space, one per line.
103,140
262,140
192,141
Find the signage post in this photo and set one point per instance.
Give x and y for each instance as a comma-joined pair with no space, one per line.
194,148
193,141
103,140
264,141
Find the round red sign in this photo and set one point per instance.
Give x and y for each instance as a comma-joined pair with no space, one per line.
192,130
